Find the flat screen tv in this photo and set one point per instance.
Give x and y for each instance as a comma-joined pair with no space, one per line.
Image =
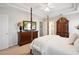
27,25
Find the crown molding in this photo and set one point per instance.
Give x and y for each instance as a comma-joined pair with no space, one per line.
37,14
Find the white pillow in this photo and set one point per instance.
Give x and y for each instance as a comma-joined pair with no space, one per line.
76,44
72,38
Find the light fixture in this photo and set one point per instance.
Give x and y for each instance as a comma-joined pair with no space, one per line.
47,9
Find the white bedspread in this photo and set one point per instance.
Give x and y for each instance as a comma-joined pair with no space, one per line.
53,45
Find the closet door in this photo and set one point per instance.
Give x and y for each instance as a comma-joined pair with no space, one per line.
3,32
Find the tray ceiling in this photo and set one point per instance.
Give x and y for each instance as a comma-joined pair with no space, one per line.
39,8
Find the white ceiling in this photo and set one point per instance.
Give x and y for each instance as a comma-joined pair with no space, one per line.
39,8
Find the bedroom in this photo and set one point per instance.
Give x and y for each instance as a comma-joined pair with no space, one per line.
11,14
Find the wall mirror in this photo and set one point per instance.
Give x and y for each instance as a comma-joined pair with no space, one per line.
27,25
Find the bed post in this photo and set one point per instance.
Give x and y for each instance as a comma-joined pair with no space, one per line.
31,52
31,29
31,26
47,25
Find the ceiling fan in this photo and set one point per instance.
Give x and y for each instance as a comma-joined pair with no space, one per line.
47,6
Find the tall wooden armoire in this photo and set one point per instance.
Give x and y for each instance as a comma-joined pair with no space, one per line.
62,27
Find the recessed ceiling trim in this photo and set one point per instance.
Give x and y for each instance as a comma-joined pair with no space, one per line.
68,11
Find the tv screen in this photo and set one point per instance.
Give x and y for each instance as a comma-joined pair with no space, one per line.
27,25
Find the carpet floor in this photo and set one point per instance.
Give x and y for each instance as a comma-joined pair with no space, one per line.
16,50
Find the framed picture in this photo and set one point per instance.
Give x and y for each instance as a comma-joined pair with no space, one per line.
27,25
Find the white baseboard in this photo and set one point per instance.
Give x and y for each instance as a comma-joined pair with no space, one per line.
13,44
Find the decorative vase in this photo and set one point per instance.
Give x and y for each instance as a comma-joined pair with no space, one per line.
20,28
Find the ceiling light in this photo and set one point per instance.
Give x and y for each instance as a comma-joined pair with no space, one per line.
47,9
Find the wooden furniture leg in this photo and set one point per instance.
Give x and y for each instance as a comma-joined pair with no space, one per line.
31,52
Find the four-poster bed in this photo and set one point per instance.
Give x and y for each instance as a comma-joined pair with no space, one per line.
53,44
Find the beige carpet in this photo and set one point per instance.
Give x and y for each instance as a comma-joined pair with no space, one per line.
16,50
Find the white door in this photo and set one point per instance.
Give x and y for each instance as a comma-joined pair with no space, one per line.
4,43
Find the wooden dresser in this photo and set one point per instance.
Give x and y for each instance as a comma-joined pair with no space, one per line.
25,37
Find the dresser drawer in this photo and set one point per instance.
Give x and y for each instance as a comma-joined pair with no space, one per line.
25,37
